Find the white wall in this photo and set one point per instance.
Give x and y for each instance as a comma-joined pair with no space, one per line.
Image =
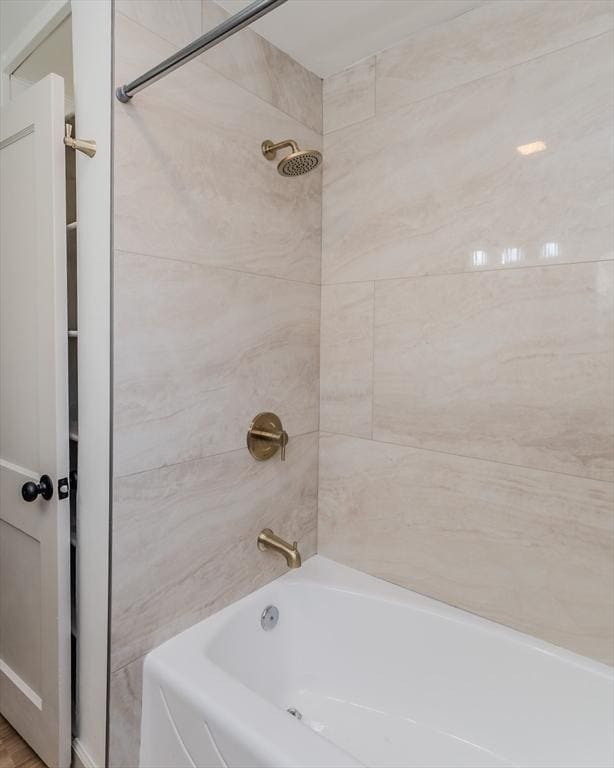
15,15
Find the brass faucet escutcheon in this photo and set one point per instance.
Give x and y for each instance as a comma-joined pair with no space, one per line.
266,436
268,540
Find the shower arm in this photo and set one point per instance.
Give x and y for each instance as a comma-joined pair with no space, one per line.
269,150
233,24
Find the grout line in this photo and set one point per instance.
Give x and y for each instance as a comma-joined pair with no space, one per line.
376,54
350,125
392,111
469,458
320,342
204,457
297,120
360,120
320,334
317,521
504,270
372,357
375,86
410,37
214,267
131,661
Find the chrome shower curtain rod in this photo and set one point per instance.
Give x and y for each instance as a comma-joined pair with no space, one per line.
227,28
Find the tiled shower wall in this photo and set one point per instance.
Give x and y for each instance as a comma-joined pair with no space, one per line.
466,341
217,310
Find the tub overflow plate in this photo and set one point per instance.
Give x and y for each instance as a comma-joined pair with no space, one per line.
269,618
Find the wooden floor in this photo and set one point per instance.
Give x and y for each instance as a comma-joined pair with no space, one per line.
14,752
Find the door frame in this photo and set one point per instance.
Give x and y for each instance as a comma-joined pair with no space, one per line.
92,34
40,27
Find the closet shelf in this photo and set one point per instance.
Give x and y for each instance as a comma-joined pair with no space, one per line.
71,227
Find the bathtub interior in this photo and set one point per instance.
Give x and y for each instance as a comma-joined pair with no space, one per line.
396,684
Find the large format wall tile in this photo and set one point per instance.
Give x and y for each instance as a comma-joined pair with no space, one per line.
247,58
125,694
441,187
184,538
200,351
190,178
514,366
496,36
349,96
252,62
346,356
177,21
217,312
526,548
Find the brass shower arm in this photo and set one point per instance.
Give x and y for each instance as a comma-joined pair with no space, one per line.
269,150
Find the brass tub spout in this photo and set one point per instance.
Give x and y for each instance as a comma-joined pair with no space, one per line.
268,540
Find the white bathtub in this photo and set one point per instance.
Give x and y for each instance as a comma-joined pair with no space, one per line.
382,677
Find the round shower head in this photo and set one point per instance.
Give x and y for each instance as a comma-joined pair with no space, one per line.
298,162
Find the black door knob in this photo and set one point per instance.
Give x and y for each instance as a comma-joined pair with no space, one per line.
31,491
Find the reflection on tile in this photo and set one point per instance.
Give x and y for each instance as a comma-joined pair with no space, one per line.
511,366
255,64
421,190
190,178
204,511
200,351
125,715
346,356
529,549
486,40
177,21
349,96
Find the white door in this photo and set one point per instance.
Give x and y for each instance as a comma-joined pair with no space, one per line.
34,535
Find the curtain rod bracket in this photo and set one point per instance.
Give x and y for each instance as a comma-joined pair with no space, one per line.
122,95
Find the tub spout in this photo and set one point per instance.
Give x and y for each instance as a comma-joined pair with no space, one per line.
268,540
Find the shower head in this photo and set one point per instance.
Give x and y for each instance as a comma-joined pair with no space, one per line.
299,161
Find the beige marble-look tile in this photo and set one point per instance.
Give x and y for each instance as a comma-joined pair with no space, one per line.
487,39
200,351
349,96
257,65
208,514
190,178
177,21
532,550
440,186
346,358
125,715
509,366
